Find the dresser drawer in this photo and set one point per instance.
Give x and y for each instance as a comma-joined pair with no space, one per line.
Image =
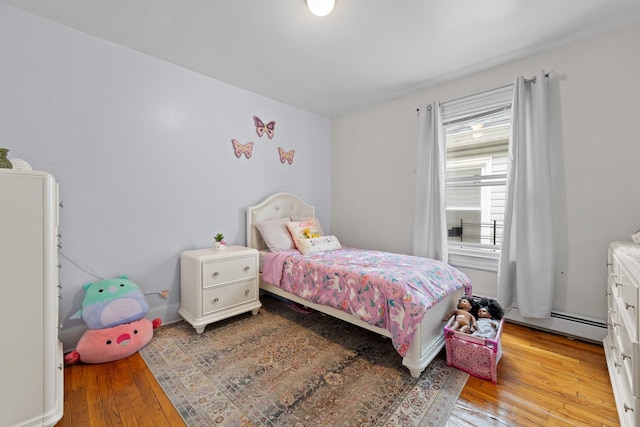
227,296
628,407
612,308
614,285
231,270
628,302
628,358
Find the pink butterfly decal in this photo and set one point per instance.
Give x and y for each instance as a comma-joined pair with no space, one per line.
286,155
241,149
261,128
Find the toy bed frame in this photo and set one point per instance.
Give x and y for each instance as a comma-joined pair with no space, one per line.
428,340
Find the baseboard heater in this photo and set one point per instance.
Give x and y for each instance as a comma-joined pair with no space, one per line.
567,324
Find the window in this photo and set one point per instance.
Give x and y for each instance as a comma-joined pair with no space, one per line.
477,131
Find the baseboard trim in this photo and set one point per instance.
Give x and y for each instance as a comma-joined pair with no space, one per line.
573,326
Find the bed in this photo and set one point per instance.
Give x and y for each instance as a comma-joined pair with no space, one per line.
425,339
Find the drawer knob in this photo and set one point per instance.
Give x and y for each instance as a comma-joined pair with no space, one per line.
246,292
247,268
214,301
216,274
618,284
625,356
628,306
627,408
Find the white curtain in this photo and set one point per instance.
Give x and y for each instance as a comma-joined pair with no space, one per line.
526,269
430,224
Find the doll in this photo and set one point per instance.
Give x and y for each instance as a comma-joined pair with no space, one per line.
464,320
489,315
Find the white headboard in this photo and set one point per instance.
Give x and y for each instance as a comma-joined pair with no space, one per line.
278,205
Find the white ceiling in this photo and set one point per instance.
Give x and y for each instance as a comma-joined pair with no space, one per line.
363,53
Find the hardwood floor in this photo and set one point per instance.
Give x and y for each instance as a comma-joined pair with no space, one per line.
543,380
121,393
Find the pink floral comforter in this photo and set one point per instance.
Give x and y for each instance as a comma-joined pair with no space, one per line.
387,290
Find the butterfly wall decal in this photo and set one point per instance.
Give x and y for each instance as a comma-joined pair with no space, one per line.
286,155
241,149
261,128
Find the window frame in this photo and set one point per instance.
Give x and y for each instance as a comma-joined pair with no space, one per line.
467,254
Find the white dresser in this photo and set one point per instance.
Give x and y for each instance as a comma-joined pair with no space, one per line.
621,345
31,364
215,285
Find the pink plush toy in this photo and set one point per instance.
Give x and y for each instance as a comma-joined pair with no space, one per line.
117,342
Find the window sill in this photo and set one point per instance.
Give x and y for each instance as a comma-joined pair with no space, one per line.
476,260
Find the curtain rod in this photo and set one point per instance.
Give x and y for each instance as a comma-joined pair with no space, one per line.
533,79
530,80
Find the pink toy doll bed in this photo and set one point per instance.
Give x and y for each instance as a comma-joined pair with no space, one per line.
398,296
475,355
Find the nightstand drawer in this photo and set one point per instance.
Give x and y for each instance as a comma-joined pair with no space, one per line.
231,270
227,296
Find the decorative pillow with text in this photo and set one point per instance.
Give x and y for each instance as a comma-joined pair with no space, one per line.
308,218
318,244
302,230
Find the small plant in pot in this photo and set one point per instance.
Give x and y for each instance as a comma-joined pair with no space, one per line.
219,243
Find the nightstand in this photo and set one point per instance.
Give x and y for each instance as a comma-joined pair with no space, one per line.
218,284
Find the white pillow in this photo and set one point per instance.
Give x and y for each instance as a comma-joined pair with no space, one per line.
275,234
318,244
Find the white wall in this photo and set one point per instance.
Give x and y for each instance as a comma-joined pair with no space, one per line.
142,152
595,93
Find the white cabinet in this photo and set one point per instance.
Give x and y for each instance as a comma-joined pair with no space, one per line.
31,364
215,285
621,345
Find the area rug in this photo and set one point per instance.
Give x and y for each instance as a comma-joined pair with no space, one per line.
285,367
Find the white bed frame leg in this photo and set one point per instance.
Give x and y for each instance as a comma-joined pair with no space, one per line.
415,373
416,362
428,340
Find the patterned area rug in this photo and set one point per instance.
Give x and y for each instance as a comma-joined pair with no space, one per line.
285,367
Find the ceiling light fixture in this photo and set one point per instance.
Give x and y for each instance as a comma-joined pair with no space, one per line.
321,7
